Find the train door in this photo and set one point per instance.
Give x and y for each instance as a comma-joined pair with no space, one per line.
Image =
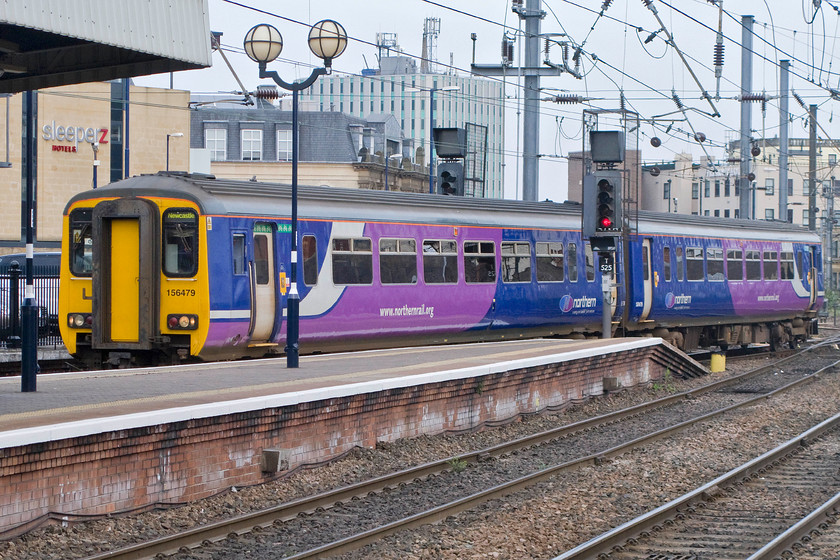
263,285
647,279
126,285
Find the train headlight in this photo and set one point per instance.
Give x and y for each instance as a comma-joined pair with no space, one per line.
178,321
79,320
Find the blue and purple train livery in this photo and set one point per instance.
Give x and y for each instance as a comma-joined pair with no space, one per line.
167,267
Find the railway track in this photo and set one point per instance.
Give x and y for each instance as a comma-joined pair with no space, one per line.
572,447
759,511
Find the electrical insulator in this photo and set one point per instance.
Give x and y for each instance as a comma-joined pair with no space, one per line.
676,99
719,54
568,98
565,52
547,47
798,99
605,6
267,92
622,101
753,97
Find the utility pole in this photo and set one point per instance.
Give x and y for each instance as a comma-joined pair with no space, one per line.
532,71
746,114
812,168
784,114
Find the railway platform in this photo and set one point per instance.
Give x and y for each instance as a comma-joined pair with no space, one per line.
106,441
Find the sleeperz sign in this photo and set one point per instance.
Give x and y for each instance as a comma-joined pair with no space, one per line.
74,134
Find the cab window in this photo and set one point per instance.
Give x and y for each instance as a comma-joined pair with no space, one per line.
81,242
180,242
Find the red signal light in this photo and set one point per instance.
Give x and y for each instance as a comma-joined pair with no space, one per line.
605,222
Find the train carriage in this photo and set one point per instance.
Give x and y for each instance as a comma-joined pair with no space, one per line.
169,267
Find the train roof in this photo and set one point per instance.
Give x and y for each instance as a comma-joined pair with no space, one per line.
249,198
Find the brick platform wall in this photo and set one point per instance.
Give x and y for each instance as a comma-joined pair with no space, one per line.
189,460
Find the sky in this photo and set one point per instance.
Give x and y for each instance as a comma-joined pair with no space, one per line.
625,50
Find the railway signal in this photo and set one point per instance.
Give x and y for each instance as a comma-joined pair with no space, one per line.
602,204
451,178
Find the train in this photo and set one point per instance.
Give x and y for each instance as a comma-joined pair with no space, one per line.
174,267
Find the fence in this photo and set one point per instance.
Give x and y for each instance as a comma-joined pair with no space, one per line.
12,284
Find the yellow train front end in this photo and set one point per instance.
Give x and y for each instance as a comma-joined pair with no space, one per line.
134,285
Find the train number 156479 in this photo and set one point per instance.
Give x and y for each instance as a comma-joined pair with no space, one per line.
180,293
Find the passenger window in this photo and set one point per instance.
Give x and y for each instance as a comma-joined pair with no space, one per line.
771,265
261,264
680,270
516,262
180,242
714,265
787,266
694,264
398,261
352,261
238,253
479,261
573,273
309,249
666,264
645,265
440,261
734,264
753,265
550,262
81,242
800,265
590,263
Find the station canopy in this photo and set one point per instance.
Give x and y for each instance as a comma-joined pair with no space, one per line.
47,43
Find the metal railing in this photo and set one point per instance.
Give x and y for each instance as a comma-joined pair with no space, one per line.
12,284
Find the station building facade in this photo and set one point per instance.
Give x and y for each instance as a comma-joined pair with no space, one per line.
70,119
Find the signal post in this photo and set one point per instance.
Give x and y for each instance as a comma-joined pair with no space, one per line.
602,220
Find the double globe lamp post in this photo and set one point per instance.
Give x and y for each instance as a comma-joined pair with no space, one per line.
263,44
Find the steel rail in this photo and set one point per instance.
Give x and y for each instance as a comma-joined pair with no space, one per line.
241,524
657,517
796,532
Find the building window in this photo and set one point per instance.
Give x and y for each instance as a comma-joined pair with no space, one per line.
769,214
695,191
707,191
727,187
832,159
215,140
726,213
717,188
769,186
790,187
251,145
666,190
284,145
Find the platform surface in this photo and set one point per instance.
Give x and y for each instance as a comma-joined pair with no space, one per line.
75,404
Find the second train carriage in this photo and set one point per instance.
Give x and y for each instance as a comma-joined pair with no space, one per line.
166,267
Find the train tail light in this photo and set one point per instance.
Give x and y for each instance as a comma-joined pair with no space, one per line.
79,320
183,322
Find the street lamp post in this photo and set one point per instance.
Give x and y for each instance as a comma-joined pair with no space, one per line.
168,136
263,43
432,129
95,146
